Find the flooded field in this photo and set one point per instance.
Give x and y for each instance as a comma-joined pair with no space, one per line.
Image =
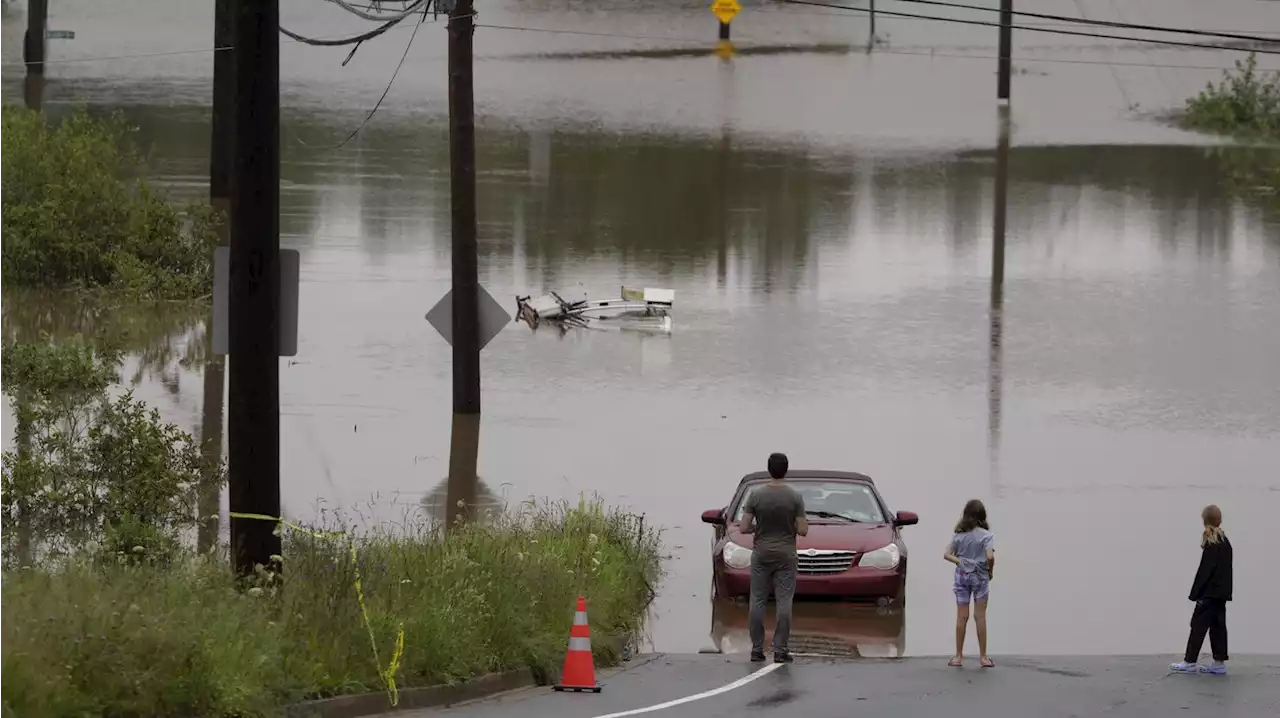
824,216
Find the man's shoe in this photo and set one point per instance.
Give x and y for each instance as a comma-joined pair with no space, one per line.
757,656
1184,667
782,657
1216,668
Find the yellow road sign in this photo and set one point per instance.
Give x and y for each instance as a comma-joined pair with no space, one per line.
726,10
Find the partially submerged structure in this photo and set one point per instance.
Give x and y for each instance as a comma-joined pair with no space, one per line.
648,308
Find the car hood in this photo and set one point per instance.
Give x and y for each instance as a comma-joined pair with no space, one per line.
840,536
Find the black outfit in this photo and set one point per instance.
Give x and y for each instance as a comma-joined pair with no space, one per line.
1211,590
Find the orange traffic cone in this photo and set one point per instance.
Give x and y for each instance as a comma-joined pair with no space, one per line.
579,672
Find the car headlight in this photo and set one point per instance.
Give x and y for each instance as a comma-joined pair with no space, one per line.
736,556
885,557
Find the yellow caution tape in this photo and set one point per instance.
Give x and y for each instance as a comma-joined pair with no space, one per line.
393,666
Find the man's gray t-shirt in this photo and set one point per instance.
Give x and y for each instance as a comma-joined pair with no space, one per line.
776,509
971,548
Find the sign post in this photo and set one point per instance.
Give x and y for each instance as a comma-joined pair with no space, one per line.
725,10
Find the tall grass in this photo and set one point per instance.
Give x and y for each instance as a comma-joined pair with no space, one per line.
134,637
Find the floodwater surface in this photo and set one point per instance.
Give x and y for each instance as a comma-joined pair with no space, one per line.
824,216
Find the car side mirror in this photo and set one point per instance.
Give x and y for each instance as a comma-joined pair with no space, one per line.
906,518
714,516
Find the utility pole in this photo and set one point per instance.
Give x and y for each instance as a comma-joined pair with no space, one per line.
33,43
254,338
872,41
464,444
220,161
33,46
1006,50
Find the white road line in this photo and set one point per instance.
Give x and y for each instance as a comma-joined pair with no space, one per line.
699,696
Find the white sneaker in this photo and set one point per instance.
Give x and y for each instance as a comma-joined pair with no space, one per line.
1184,667
1217,668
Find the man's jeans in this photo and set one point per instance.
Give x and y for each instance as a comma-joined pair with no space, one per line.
779,573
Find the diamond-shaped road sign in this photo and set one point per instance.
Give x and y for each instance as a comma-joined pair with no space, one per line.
492,316
726,10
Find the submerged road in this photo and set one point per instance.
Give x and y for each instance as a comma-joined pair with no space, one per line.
1116,687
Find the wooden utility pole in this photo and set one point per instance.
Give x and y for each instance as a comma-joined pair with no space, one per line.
872,41
254,336
1006,50
464,445
33,46
33,43
220,162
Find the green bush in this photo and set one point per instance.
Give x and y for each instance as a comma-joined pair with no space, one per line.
135,638
1246,102
78,214
88,469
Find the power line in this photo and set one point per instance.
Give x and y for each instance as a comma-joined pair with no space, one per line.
879,50
1030,28
337,42
1103,23
334,42
385,91
373,14
774,9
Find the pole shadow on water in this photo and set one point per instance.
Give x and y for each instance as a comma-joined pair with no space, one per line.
724,167
995,359
220,163
818,628
435,502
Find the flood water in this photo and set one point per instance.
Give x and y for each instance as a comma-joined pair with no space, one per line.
824,216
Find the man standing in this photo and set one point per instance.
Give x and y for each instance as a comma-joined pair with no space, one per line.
774,513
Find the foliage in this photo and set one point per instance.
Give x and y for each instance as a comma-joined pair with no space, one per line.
1246,102
88,469
145,638
78,214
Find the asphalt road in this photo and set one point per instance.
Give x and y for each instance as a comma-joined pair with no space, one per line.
1116,687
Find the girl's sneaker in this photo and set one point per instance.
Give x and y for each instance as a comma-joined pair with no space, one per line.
1217,668
1184,667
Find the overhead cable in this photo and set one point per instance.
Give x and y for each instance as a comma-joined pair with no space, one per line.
1032,28
1105,23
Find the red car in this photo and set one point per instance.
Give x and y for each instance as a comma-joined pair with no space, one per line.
854,549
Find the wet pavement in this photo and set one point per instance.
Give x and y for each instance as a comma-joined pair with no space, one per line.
825,218
1115,687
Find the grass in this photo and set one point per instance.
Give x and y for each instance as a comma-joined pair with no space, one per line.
131,637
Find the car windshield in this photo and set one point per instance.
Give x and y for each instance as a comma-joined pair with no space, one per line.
833,500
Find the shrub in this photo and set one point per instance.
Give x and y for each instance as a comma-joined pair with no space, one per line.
1245,102
88,469
78,214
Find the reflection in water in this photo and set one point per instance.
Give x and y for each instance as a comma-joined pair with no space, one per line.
821,628
433,503
995,368
33,91
159,340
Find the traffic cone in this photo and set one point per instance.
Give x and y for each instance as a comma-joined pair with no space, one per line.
579,672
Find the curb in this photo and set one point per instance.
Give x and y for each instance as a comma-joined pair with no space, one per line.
372,704
363,705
